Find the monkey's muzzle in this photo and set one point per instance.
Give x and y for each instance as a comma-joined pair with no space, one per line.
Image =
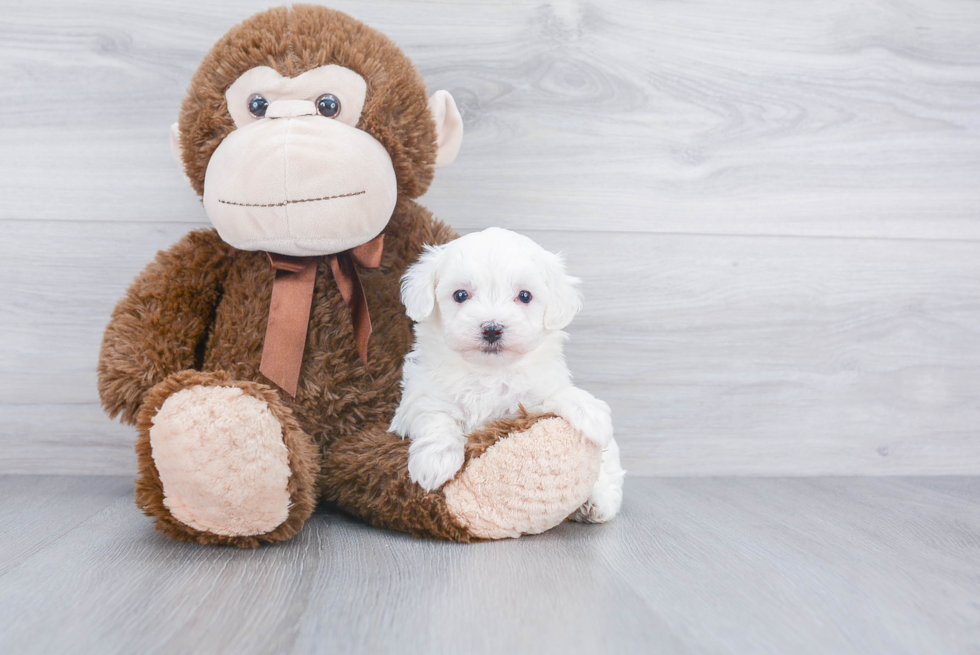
299,184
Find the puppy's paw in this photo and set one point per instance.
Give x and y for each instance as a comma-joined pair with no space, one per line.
590,416
607,494
431,465
599,508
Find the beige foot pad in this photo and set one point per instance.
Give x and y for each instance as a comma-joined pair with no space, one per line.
222,461
525,484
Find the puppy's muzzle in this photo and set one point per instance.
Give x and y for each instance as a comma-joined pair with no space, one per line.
492,332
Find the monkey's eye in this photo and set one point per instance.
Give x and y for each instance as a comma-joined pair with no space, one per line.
257,105
524,297
460,296
328,105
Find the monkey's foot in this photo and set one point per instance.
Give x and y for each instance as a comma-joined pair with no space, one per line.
223,462
525,483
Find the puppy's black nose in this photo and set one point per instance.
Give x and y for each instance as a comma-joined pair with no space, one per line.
492,332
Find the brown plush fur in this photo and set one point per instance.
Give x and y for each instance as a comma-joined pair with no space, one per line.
158,327
304,462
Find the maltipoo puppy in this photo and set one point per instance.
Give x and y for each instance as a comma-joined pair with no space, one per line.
489,309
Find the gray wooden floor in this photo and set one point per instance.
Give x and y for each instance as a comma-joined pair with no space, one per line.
694,565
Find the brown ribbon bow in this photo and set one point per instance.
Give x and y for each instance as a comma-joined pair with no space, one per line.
292,299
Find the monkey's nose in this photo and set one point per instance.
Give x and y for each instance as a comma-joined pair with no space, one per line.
290,108
492,332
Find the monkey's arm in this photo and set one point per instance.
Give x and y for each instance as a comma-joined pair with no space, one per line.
412,227
165,316
441,233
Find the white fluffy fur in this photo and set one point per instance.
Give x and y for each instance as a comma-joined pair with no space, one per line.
454,381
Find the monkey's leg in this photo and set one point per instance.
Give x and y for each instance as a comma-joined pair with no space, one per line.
223,462
521,476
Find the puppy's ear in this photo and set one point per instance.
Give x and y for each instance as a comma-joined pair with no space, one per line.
566,298
419,285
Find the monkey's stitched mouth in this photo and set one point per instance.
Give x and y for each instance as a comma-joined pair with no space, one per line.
291,202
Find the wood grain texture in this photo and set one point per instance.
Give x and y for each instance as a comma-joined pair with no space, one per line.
750,355
36,511
832,118
820,565
774,208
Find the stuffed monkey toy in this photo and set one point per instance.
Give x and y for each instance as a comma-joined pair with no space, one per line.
260,361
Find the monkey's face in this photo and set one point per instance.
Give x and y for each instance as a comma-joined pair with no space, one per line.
302,129
296,176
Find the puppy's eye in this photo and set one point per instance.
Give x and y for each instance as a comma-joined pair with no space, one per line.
524,297
460,296
328,105
257,105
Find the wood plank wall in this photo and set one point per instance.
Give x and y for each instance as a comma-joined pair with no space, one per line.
775,207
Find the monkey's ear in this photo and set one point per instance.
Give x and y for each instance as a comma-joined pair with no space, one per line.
449,127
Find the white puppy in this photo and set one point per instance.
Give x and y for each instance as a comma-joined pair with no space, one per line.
489,310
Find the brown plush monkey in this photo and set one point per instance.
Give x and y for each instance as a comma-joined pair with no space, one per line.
261,361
